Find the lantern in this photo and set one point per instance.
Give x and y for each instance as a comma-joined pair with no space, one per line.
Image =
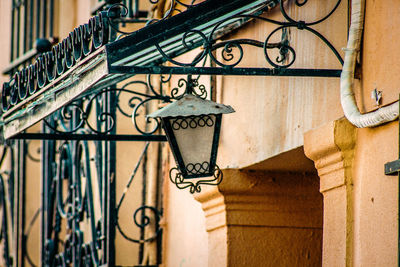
192,126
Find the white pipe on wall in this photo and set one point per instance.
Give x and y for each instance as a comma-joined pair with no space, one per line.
349,105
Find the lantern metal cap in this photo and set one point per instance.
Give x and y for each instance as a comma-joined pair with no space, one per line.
190,105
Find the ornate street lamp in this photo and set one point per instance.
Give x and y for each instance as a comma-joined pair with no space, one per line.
192,126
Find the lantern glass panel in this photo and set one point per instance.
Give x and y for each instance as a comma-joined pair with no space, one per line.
194,136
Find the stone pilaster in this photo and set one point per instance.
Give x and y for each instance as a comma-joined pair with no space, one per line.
331,147
273,219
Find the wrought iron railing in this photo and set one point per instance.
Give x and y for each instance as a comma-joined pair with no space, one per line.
77,175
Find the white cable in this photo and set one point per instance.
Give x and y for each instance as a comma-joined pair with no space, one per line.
348,101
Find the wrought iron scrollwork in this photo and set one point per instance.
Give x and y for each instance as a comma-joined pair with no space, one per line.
105,122
194,185
197,168
232,52
33,155
191,86
132,99
72,203
89,37
4,229
192,122
73,167
140,217
6,210
143,220
27,234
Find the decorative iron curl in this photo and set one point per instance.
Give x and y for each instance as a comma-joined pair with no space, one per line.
64,170
65,118
301,3
146,219
175,6
119,10
75,116
189,43
27,234
285,50
29,153
73,208
4,227
227,53
286,53
177,178
146,222
148,88
139,101
85,203
148,120
191,86
197,168
192,122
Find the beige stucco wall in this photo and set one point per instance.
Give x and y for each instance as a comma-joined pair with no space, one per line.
364,205
375,197
272,113
5,21
186,240
380,53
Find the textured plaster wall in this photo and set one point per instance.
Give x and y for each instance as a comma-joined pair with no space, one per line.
272,113
371,211
5,21
259,218
185,237
375,196
380,52
274,246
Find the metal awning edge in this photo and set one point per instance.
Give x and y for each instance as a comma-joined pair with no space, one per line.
169,31
56,95
108,64
91,73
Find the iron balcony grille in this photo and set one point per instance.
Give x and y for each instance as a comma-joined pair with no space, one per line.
85,63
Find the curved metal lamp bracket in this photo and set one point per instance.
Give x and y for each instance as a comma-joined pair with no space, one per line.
194,185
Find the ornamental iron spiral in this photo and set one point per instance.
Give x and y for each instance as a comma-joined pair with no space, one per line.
176,178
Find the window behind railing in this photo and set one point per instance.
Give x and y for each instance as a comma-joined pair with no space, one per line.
32,31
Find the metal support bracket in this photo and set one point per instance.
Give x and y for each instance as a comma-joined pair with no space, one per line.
225,71
90,137
392,168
